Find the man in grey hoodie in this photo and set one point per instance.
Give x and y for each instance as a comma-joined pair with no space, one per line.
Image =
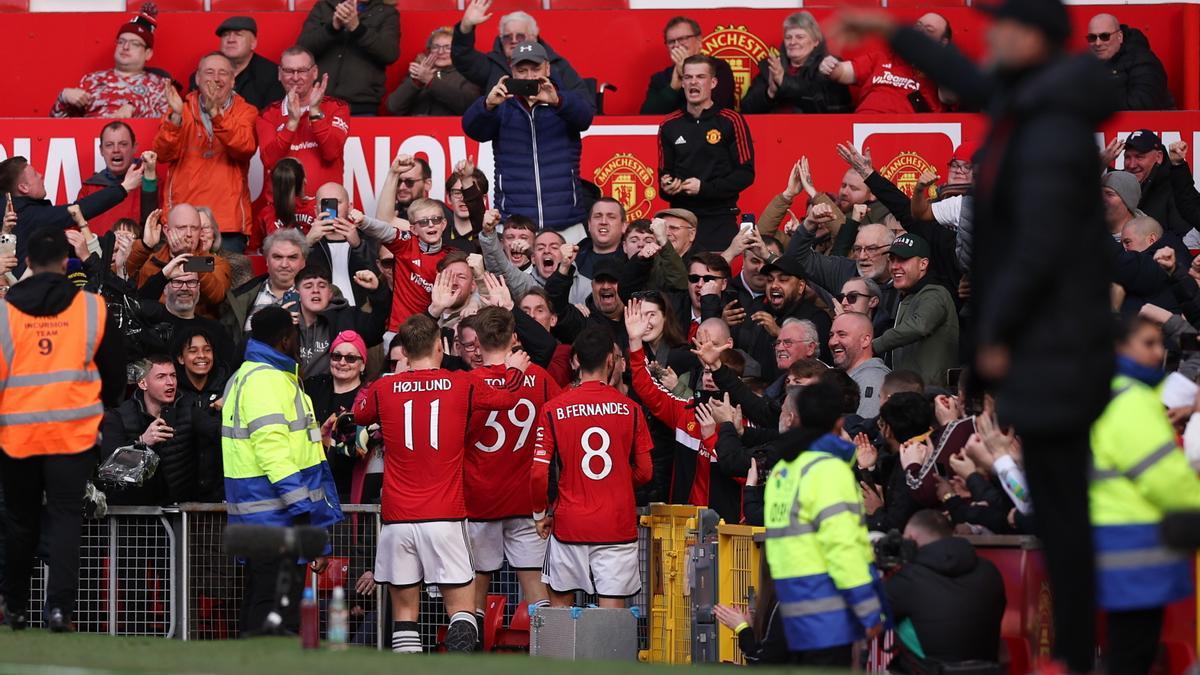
850,345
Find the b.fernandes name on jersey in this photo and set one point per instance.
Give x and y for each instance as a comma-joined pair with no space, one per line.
591,410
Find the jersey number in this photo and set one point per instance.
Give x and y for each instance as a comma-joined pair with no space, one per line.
433,424
525,425
592,450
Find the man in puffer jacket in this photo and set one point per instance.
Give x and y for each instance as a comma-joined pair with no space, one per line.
536,144
1138,74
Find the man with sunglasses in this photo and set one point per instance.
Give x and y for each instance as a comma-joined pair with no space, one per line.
1138,74
683,38
485,70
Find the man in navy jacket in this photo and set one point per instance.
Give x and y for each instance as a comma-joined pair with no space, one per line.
536,141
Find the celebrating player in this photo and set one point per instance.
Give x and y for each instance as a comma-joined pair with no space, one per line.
595,432
499,458
423,413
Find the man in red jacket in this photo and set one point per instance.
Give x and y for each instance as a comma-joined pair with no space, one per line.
305,125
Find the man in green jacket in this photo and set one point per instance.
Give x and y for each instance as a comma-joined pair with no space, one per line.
924,338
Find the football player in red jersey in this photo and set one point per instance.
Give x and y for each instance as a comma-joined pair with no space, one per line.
600,440
499,458
423,413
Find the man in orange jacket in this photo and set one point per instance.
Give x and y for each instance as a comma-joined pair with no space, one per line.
61,357
209,139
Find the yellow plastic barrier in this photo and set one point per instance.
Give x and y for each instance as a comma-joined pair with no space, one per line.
740,579
673,529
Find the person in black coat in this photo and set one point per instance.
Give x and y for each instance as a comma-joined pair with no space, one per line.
953,598
1037,194
1136,73
256,77
792,82
1168,191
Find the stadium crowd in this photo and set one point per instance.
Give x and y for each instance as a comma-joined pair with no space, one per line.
511,372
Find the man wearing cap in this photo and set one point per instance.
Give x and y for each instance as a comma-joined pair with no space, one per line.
486,70
128,89
255,75
1037,196
1168,193
1121,193
536,142
605,305
924,338
784,299
706,157
681,227
1138,75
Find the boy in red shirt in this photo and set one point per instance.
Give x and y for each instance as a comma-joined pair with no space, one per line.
423,414
417,245
592,432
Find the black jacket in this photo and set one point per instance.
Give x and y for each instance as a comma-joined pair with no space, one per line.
954,598
176,479
803,90
1138,75
355,60
1169,196
37,213
258,82
1037,194
661,99
485,70
716,148
47,294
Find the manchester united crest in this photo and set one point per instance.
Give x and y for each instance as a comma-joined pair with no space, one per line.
628,180
713,136
904,170
741,49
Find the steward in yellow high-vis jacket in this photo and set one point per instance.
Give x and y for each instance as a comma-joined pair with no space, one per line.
817,548
1138,473
275,467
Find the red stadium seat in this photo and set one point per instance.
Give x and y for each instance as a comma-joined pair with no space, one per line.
14,5
175,6
258,264
1020,656
587,4
249,5
516,636
493,619
305,5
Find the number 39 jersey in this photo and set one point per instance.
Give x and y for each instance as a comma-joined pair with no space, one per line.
500,447
602,445
423,415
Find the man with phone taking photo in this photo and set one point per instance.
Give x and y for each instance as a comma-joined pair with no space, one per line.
181,237
535,125
335,244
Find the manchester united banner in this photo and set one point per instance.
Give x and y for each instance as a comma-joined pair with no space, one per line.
620,154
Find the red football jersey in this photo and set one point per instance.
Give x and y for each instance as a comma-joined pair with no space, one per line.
423,415
500,447
886,83
414,274
603,447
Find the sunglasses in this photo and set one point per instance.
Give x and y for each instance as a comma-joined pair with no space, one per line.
697,278
409,182
1102,37
851,297
426,222
348,358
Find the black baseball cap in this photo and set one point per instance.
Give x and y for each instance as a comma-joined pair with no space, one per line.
1048,16
1143,140
608,267
786,264
910,246
530,50
238,23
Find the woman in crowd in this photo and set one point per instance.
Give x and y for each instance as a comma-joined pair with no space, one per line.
792,82
199,371
240,270
288,206
333,394
666,349
433,86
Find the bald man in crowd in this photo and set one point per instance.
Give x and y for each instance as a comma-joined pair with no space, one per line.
850,344
1138,74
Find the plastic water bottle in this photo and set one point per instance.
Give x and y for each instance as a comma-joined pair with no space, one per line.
310,621
339,619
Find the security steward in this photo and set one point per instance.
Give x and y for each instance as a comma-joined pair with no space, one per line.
275,468
60,358
817,548
1139,472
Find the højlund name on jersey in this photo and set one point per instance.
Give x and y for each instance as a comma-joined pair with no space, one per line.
529,382
406,387
592,409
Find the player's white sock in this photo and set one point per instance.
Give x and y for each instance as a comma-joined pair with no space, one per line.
405,637
464,616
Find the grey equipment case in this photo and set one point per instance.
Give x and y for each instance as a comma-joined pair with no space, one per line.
584,634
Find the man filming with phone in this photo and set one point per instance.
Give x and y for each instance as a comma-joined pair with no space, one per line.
180,237
535,125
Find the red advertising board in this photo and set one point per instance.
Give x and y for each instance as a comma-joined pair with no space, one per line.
620,153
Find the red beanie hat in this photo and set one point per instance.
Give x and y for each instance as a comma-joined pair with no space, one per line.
143,24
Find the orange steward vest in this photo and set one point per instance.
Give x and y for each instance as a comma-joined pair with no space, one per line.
49,384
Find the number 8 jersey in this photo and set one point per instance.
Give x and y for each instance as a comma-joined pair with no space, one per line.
500,447
600,440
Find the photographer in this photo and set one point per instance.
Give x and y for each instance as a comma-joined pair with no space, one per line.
946,601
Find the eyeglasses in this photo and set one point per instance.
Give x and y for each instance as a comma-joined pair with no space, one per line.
872,250
440,48
348,358
409,182
1102,37
697,278
296,71
426,222
851,297
455,193
787,344
468,347
679,40
126,42
178,283
959,165
514,38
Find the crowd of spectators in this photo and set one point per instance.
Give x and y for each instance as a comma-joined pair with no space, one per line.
717,324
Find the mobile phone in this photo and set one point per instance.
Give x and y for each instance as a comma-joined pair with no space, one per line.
953,376
747,221
291,301
518,87
167,413
199,264
8,244
329,207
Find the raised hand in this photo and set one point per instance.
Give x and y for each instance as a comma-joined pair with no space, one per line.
466,171
498,293
78,243
861,163
174,100
367,279
568,251
828,65
152,231
733,314
722,410
915,452
1177,151
708,426
635,323
402,163
477,12
76,214
765,320
491,218
499,94
442,296
927,178
133,178
1111,151
865,451
1165,257
150,165
174,268
708,351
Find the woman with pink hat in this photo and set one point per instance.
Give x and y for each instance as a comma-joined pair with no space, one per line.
333,394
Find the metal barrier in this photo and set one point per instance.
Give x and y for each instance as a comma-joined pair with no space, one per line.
674,533
740,557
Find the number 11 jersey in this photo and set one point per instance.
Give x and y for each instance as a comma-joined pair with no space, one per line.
603,446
